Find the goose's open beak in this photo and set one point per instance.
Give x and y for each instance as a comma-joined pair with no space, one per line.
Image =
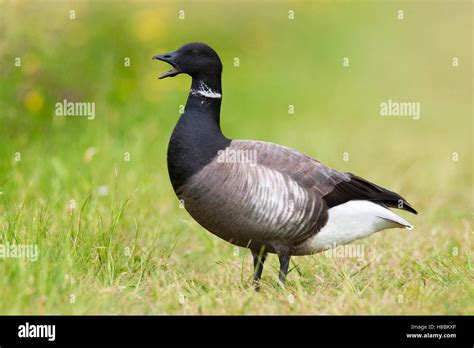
170,59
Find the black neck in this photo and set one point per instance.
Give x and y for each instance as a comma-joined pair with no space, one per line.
197,137
205,109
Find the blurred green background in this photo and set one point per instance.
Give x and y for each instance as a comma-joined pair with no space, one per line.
283,62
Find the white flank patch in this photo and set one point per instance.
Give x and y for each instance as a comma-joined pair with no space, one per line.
350,221
205,91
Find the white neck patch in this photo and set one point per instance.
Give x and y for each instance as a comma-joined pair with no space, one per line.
205,91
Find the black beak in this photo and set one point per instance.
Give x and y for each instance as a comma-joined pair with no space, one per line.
169,58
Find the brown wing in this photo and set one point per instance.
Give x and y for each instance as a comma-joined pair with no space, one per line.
306,171
335,187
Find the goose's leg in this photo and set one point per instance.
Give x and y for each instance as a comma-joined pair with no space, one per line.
284,264
259,258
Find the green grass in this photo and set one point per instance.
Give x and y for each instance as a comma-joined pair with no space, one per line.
131,249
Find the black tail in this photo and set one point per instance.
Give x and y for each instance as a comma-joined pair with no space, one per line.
359,188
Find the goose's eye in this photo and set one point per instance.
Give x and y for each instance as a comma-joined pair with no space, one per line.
194,52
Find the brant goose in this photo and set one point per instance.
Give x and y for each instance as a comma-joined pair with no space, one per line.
260,195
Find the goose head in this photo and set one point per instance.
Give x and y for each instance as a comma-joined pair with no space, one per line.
196,59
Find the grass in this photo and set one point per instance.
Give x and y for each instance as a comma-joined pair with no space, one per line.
124,245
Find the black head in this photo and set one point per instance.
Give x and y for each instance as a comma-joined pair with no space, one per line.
195,59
